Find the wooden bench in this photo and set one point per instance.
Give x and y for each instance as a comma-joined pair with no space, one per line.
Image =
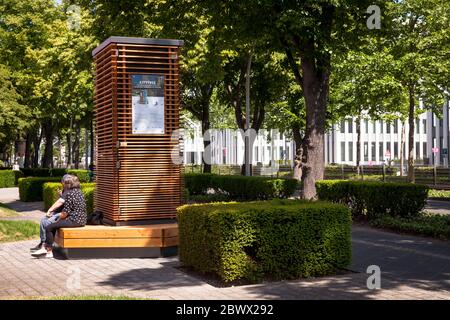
118,241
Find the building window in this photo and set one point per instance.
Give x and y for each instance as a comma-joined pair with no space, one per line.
373,147
374,123
350,126
380,151
388,148
396,155
424,124
395,126
366,151
417,126
417,150
424,150
366,123
281,153
350,151
388,127
342,151
381,126
342,126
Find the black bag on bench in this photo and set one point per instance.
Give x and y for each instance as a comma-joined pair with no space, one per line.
95,218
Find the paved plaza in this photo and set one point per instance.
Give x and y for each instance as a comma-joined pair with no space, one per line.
411,268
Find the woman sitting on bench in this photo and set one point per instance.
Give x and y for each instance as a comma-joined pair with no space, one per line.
73,215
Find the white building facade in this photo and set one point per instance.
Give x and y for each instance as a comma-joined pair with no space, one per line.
380,142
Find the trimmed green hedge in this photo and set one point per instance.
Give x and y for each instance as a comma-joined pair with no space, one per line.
50,194
373,198
30,189
83,175
43,172
240,187
439,194
282,239
9,178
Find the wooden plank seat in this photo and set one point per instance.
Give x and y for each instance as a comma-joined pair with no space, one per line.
138,241
140,236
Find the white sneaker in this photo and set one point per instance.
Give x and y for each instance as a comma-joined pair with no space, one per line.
39,252
49,254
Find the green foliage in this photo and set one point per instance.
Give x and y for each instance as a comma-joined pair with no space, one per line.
51,194
9,178
240,187
43,172
439,194
83,175
31,189
374,198
433,225
18,230
282,239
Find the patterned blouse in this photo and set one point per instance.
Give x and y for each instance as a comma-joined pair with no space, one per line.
75,206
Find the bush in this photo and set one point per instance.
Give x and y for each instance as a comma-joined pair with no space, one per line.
373,198
433,225
30,189
43,172
439,194
50,194
240,187
9,178
83,175
283,239
197,183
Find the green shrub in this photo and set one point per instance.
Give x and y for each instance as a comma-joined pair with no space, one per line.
197,183
439,194
282,239
373,198
50,194
43,172
31,189
433,225
83,175
240,187
8,178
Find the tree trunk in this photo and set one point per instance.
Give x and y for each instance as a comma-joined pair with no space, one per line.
315,89
92,141
47,159
36,146
27,160
206,142
411,176
402,148
298,153
76,146
358,145
69,150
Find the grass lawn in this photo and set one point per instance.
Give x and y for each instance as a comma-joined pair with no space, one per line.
427,224
18,230
6,212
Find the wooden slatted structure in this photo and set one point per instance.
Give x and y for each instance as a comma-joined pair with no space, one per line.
137,180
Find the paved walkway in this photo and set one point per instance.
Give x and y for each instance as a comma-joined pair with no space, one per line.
411,268
26,210
438,206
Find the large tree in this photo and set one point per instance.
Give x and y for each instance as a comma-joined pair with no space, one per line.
309,32
419,40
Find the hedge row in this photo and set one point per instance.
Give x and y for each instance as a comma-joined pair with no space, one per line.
50,194
9,178
373,198
30,189
83,175
281,239
240,187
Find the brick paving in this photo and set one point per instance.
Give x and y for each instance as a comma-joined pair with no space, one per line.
411,268
22,276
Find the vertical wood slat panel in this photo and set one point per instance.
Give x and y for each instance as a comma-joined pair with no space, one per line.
136,177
